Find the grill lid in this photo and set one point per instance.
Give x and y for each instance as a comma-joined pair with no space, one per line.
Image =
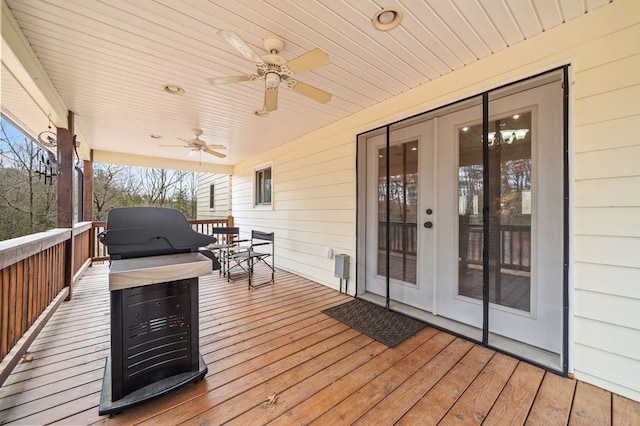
150,231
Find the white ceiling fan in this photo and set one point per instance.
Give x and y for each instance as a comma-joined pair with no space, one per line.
197,145
274,69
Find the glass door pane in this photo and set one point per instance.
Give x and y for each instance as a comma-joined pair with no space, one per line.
510,211
470,202
403,211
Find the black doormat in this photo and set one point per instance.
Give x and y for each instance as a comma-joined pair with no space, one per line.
375,321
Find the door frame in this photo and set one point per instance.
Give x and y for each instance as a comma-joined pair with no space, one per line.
361,211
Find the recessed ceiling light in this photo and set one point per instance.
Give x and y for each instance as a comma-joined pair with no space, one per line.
386,19
173,89
154,136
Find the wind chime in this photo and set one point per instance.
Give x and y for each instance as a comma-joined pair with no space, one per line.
47,166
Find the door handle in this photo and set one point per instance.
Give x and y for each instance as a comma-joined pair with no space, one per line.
428,225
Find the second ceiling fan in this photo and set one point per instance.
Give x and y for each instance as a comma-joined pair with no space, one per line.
274,69
197,145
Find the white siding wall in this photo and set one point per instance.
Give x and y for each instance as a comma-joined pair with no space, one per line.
313,203
315,191
222,205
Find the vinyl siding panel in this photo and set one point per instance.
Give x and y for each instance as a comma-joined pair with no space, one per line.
610,279
608,221
611,192
608,309
613,162
608,337
221,206
607,369
597,136
608,250
315,191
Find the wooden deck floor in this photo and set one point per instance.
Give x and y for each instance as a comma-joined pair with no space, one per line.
274,342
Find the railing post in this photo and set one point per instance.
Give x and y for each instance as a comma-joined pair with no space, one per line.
87,190
65,198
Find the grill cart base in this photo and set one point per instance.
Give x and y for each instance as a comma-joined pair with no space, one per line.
147,393
154,328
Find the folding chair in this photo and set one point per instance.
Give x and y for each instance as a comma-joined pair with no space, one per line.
246,259
227,240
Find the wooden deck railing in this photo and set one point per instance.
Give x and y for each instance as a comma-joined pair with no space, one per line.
34,279
99,251
81,248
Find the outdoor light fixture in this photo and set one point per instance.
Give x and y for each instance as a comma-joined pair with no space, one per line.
386,19
173,89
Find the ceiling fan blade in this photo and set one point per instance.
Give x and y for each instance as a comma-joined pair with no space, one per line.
215,146
271,100
217,154
312,92
312,59
230,79
188,142
237,43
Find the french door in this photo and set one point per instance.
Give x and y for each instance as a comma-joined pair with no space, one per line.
464,219
408,188
508,232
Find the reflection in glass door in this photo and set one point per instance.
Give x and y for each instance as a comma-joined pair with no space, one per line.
509,216
403,211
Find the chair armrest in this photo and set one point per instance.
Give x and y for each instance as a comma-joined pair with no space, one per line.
259,244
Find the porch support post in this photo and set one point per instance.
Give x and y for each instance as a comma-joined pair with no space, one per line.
65,195
87,190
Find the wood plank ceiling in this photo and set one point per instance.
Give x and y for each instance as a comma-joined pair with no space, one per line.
108,60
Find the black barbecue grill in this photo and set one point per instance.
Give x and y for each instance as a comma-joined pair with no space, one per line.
156,259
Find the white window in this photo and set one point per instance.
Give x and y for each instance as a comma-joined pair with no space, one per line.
262,185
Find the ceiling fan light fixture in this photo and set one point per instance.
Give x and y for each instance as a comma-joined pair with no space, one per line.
273,44
271,81
387,19
173,89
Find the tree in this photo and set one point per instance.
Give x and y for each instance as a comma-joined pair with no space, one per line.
127,186
106,193
27,204
159,185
